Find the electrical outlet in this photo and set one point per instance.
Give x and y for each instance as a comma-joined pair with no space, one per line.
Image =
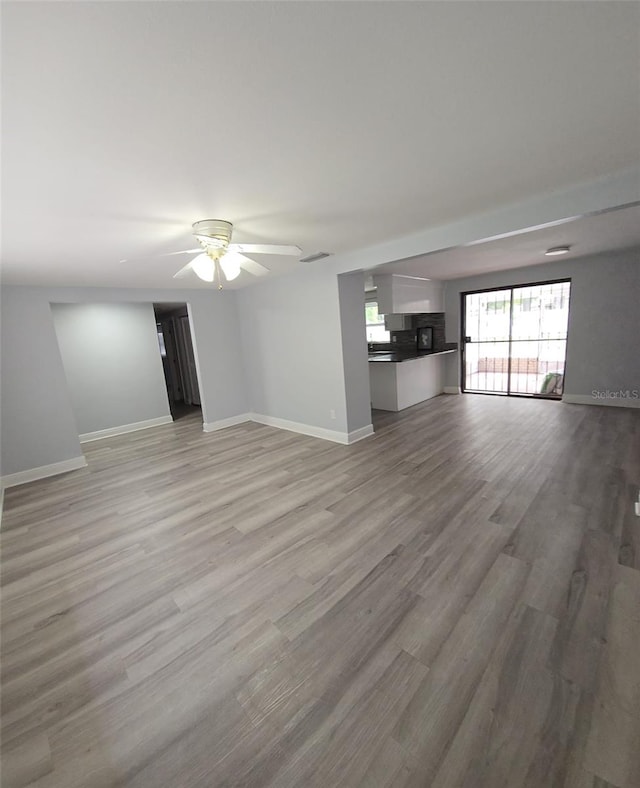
393,338
332,413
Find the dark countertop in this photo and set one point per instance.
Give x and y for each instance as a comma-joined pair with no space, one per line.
396,356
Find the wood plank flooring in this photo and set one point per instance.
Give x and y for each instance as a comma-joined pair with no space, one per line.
454,602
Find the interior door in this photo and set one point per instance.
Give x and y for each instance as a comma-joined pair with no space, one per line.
187,361
170,361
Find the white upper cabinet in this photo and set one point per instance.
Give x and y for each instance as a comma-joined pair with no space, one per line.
407,295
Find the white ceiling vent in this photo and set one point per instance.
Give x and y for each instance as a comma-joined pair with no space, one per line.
313,257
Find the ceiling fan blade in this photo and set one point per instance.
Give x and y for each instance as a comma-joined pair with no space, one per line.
184,251
295,251
183,271
257,269
155,257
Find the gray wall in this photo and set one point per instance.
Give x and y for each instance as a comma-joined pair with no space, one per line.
215,333
291,332
603,347
112,363
354,350
38,425
292,346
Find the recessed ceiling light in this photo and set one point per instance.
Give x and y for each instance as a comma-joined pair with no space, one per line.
557,250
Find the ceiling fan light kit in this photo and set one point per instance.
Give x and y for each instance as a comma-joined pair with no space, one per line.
231,265
204,267
213,233
223,261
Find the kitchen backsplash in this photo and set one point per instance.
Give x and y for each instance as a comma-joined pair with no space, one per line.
406,340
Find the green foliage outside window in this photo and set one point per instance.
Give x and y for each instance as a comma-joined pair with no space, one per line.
372,316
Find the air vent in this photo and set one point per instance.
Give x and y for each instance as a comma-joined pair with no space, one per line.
313,257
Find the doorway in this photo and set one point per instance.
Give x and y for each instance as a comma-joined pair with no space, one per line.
515,339
178,360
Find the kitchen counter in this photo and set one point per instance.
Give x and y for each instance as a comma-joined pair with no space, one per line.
396,386
397,356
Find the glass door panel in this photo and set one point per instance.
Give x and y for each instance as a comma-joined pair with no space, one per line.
537,368
540,311
487,367
486,349
515,340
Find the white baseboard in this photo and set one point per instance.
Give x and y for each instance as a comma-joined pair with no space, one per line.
616,402
33,474
358,435
124,428
213,426
345,438
302,429
451,389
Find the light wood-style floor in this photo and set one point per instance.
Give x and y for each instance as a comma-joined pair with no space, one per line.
452,602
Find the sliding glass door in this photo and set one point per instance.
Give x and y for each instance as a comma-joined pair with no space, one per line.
515,339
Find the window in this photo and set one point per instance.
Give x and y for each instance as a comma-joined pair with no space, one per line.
376,332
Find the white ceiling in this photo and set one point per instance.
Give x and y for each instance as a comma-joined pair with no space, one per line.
610,231
328,125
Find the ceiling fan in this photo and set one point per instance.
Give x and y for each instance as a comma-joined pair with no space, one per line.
220,260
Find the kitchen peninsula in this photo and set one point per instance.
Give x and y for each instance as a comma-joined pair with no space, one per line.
399,379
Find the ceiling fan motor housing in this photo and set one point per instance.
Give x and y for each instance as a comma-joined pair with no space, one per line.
213,233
